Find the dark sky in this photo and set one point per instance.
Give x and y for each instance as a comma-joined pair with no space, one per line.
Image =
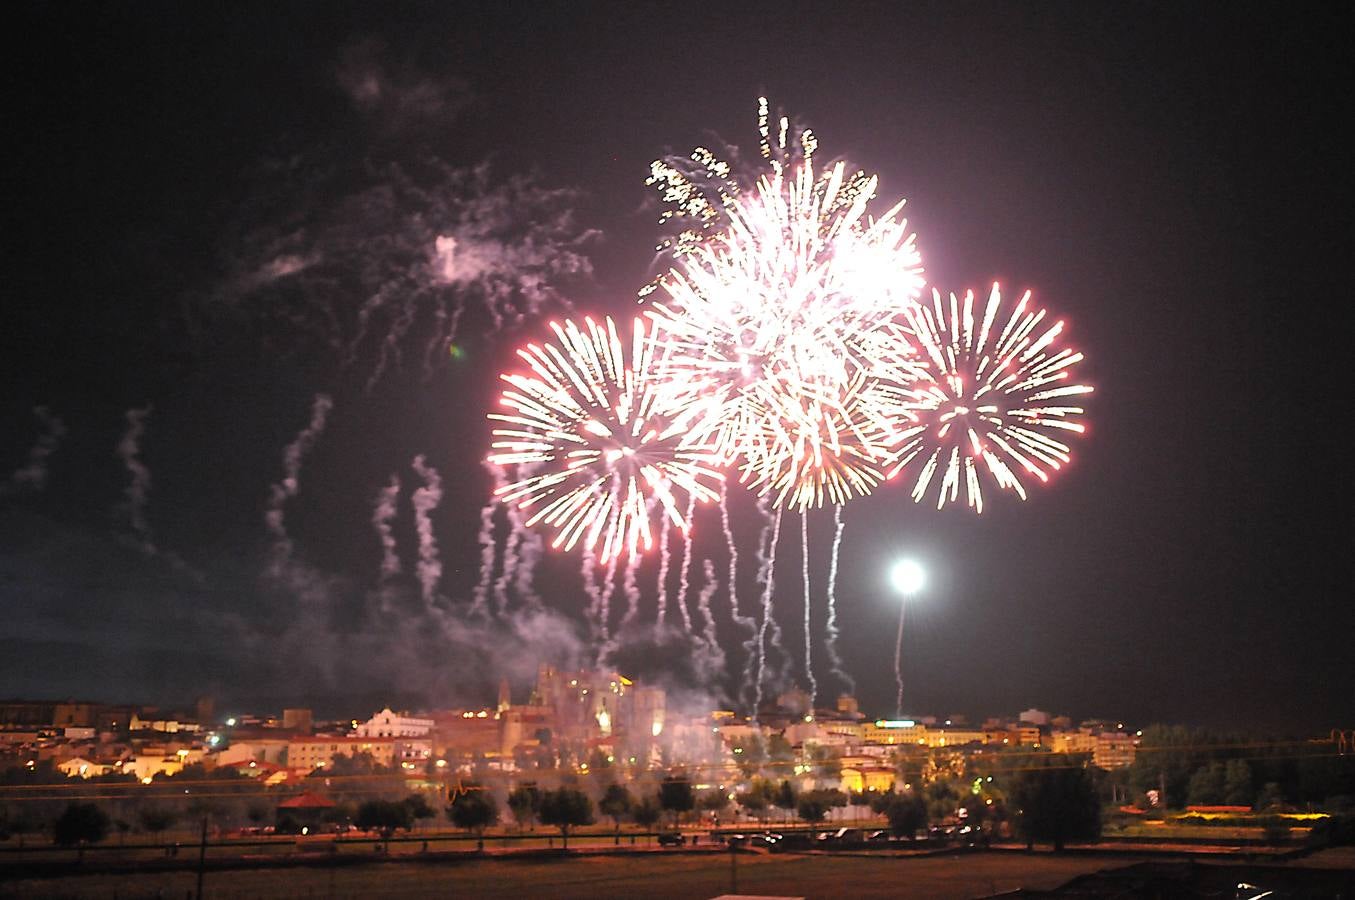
1170,180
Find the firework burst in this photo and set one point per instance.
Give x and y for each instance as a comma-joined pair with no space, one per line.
783,319
699,191
596,434
991,398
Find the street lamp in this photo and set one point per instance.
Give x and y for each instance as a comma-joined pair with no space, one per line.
907,577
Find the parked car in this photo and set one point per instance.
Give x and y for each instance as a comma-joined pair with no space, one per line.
671,839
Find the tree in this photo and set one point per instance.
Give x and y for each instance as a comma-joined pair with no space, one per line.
785,796
749,755
525,803
906,813
418,807
155,819
616,803
827,764
384,816
675,796
942,798
474,810
1271,797
1206,786
646,812
23,821
812,807
566,808
880,800
759,796
713,801
1057,801
1237,784
81,824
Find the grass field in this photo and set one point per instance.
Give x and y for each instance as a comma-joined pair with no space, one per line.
649,876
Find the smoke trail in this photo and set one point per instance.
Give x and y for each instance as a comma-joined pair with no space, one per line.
510,565
898,664
529,547
426,499
488,544
605,598
32,476
708,589
809,636
830,638
382,516
285,489
684,572
377,261
664,560
138,490
630,585
599,594
588,570
768,585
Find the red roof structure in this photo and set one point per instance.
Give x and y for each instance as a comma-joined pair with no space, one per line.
307,800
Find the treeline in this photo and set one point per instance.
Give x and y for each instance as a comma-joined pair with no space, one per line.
1197,767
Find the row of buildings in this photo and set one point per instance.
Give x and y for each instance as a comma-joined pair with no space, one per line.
571,721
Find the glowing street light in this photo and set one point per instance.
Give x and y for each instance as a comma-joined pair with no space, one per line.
908,578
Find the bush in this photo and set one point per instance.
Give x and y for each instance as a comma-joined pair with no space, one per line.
1336,831
81,823
1274,830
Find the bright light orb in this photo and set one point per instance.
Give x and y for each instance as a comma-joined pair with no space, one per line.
908,577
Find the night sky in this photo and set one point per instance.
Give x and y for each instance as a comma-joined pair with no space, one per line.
1170,181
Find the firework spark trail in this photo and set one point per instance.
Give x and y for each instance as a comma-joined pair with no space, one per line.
830,632
284,490
755,646
426,499
768,585
383,514
712,639
735,613
809,637
138,489
606,431
32,476
488,544
988,399
684,572
665,559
